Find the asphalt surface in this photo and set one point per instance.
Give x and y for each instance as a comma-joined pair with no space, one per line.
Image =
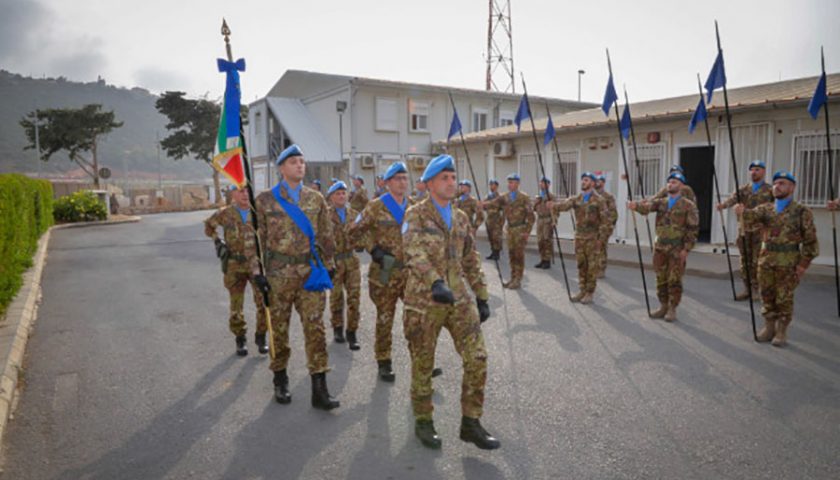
130,374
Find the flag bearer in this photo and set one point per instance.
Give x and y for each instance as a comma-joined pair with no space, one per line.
495,222
612,218
545,224
519,215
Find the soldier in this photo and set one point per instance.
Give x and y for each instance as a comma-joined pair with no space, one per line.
520,217
495,222
677,225
236,252
296,232
347,275
358,198
612,218
441,260
833,205
685,190
545,224
419,191
752,194
316,185
380,186
789,244
469,205
592,224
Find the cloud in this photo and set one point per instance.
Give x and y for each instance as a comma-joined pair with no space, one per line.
159,80
20,24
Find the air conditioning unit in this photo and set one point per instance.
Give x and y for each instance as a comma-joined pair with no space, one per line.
418,163
503,149
367,162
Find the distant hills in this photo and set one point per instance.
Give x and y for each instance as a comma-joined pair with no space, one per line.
130,151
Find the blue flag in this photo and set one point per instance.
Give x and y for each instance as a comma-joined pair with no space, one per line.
717,77
625,122
698,116
819,98
523,113
455,127
549,131
609,97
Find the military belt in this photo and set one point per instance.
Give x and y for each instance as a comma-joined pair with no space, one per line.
343,255
290,259
238,258
547,215
670,241
517,224
781,247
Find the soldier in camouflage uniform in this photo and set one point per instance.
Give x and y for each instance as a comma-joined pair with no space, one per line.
469,205
358,197
789,244
592,224
236,252
441,261
519,215
677,226
419,192
685,190
753,194
495,222
545,224
612,218
289,262
380,187
347,276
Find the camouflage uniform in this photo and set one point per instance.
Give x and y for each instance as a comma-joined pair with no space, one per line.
495,223
347,274
612,218
469,205
685,191
358,199
520,218
591,225
788,239
376,226
287,256
545,226
417,197
434,252
747,231
239,237
676,230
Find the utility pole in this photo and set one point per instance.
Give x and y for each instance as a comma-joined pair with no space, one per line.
500,49
37,143
580,73
157,144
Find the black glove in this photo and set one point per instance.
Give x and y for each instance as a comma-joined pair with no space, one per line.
483,310
377,254
441,293
221,248
262,283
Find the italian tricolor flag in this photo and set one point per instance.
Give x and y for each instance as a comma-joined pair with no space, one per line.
227,154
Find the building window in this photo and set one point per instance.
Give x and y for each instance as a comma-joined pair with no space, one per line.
386,114
569,163
810,165
479,120
418,116
651,161
505,118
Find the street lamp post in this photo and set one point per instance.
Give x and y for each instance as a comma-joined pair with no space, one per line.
340,107
580,73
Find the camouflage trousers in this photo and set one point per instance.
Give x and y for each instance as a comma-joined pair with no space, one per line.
587,253
545,240
602,258
517,240
287,291
755,247
777,285
669,272
495,231
235,281
422,329
385,298
347,278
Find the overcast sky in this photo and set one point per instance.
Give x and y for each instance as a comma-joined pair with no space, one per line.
657,46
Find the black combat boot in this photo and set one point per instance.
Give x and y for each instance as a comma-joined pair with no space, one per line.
492,255
495,254
425,431
259,339
241,346
436,372
320,396
338,334
473,432
352,342
281,387
385,371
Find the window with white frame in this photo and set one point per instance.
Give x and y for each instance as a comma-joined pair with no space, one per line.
650,165
386,114
505,118
479,120
810,166
566,174
418,116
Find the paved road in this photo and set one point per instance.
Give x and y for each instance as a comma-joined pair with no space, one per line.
131,375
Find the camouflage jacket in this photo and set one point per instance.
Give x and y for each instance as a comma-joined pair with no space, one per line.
591,220
238,236
518,213
358,199
285,248
685,191
751,200
493,211
542,208
470,207
788,238
418,197
434,252
344,243
677,228
612,209
376,226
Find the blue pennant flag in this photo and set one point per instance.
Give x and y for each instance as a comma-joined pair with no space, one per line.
625,122
609,97
523,113
819,98
717,77
698,116
549,131
455,127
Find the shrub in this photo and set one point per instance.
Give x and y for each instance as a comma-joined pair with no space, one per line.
79,206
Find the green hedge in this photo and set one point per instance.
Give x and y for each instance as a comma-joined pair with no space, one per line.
79,206
26,212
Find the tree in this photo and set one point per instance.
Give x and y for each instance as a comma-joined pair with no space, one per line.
75,130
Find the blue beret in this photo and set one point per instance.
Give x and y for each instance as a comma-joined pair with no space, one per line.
317,182
465,182
757,163
513,176
545,179
395,168
679,176
677,168
785,175
601,177
441,163
493,181
232,188
339,185
292,151
359,178
588,174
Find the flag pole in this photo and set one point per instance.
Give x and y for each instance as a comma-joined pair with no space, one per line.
562,172
251,202
629,192
638,165
831,187
746,243
542,169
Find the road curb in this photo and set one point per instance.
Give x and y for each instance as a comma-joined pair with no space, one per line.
133,219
